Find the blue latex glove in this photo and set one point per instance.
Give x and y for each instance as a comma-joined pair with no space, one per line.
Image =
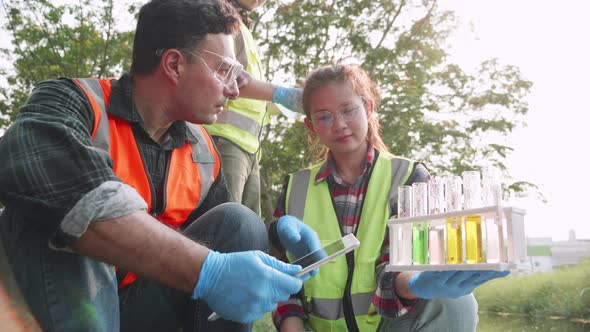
242,286
297,238
435,284
288,97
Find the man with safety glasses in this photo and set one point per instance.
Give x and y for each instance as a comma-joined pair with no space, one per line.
115,204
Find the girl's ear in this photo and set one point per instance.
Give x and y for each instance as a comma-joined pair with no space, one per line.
369,107
309,125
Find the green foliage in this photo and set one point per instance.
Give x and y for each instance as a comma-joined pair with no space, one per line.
492,322
564,292
432,109
50,41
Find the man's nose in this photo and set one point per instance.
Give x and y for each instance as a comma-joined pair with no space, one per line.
231,91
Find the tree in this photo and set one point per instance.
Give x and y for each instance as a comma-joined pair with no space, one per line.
432,109
50,41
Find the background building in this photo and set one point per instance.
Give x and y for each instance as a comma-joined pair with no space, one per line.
544,254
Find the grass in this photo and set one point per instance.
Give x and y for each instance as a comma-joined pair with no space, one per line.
564,293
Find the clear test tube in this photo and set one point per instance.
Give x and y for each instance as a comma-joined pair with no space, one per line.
436,233
420,228
404,210
454,224
492,195
472,199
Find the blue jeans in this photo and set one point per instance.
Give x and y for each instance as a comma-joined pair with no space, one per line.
437,315
69,292
148,306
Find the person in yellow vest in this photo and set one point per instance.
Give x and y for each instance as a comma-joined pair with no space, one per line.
354,190
116,214
237,130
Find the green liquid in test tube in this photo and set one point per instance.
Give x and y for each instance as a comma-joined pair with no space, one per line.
454,224
420,229
473,236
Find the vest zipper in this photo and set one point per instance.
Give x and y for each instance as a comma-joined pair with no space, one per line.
347,307
168,158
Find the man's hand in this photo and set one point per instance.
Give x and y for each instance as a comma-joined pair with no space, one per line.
243,286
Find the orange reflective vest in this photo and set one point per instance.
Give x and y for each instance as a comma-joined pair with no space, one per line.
192,171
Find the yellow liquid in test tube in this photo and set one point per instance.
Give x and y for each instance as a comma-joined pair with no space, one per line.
454,241
473,239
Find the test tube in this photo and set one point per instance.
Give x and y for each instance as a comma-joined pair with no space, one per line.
404,210
472,196
420,228
492,195
454,229
436,234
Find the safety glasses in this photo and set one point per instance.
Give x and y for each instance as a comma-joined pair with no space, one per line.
324,120
227,70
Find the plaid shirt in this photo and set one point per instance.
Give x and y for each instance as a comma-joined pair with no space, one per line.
52,178
348,201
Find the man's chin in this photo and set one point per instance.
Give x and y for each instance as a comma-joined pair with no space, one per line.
210,120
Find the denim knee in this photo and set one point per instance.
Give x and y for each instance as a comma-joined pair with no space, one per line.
229,227
448,314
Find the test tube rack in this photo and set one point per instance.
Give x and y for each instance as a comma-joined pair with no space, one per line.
511,218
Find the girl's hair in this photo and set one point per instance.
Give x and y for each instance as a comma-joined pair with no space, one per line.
361,84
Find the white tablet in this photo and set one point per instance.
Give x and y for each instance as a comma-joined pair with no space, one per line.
329,252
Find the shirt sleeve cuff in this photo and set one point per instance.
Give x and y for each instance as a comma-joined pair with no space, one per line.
292,308
110,200
386,301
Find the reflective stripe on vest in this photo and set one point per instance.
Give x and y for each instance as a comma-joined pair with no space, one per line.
240,121
331,309
243,118
313,204
192,168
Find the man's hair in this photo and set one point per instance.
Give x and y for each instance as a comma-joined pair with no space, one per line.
180,24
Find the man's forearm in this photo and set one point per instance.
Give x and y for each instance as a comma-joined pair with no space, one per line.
257,89
140,244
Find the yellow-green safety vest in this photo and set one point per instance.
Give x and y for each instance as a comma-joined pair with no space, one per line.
336,293
243,118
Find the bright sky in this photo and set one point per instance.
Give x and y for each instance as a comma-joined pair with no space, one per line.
549,42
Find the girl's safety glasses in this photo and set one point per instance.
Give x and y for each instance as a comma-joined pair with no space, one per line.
324,120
